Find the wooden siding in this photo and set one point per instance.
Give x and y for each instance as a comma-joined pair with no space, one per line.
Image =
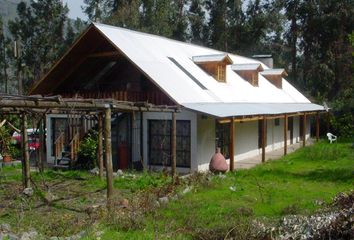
157,98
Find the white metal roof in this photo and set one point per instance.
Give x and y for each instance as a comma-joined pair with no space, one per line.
242,109
245,66
209,58
274,71
170,65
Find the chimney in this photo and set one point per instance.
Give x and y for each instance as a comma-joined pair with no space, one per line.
267,59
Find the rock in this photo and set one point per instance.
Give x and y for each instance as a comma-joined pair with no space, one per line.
124,203
120,172
49,197
32,235
28,192
218,163
221,176
5,228
163,200
12,236
95,171
187,190
174,197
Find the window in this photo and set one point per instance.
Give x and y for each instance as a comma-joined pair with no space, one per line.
223,138
160,143
221,76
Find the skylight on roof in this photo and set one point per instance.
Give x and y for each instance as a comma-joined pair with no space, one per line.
187,73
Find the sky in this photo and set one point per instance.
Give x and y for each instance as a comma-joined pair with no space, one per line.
75,9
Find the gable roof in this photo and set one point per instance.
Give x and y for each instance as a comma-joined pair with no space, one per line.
212,58
170,65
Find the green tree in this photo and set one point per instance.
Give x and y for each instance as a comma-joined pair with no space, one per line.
3,60
125,14
197,20
39,31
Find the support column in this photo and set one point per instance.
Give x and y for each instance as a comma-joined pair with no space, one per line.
232,144
108,148
285,134
328,122
304,131
173,146
100,145
317,126
25,153
41,153
264,137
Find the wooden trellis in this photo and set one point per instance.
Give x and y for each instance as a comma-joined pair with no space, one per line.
102,108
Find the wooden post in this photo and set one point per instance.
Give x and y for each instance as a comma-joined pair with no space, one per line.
100,145
317,126
285,134
232,144
25,153
264,137
41,145
304,131
173,146
328,122
108,148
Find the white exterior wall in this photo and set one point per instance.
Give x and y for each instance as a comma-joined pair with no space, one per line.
184,115
245,139
205,141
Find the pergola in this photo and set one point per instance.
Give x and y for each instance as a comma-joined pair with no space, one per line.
102,108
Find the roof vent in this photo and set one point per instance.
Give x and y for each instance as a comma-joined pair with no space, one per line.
248,71
275,76
214,64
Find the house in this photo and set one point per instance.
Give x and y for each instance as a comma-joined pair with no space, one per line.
217,93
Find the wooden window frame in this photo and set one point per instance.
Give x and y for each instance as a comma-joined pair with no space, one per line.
183,154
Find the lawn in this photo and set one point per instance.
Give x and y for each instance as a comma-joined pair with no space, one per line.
300,183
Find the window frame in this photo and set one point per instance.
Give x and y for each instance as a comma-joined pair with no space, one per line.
181,138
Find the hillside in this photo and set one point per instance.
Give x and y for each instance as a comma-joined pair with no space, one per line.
8,9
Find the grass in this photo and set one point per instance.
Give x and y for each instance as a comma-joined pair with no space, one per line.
215,206
291,185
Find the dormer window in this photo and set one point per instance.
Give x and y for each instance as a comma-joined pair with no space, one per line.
248,71
215,65
275,76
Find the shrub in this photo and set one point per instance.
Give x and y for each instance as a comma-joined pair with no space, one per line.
87,154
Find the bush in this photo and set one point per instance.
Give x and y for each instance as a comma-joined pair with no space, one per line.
87,154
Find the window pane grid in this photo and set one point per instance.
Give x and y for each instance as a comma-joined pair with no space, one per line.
160,143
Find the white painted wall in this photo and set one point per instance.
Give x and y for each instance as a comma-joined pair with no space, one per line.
246,139
205,141
183,115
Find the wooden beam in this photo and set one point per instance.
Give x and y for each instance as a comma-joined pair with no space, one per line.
232,144
173,147
108,148
317,126
264,137
285,134
25,153
100,145
104,54
304,131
